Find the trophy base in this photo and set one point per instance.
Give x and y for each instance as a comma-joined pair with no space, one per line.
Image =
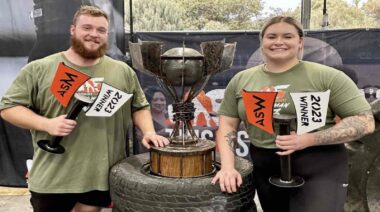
183,140
44,144
293,183
175,160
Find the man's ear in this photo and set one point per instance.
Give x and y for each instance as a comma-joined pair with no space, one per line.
72,29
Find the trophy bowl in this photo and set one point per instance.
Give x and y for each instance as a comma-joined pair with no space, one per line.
177,70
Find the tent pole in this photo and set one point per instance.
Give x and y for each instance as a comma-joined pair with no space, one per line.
132,36
305,13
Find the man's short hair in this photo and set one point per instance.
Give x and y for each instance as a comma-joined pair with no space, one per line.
90,11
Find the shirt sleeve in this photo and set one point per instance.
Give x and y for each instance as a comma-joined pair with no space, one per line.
345,99
229,105
139,100
21,92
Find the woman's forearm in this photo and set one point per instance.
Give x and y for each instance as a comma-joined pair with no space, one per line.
226,139
348,129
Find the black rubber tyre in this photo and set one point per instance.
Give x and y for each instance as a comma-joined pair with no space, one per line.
133,189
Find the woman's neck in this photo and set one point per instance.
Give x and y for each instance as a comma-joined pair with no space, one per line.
278,67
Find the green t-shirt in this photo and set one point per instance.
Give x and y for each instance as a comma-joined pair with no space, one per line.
94,145
345,99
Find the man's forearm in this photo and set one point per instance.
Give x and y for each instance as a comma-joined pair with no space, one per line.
24,117
143,120
348,129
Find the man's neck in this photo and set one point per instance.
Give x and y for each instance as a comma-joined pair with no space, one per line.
78,60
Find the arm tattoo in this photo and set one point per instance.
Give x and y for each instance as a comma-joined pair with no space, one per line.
348,129
231,140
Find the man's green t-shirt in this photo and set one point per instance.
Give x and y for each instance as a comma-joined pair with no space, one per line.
95,144
345,99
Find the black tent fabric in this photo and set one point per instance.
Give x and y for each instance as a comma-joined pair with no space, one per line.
15,149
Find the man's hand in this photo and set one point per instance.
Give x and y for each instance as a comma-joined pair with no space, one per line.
60,126
229,180
156,140
143,120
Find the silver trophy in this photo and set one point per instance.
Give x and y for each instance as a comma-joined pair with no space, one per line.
183,73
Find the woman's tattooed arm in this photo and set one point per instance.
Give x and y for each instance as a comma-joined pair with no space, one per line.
348,129
231,139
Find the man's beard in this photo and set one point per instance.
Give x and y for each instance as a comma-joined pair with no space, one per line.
79,48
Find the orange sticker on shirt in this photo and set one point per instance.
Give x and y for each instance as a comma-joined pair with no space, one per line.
66,81
259,109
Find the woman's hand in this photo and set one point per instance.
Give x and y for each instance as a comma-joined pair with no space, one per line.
293,142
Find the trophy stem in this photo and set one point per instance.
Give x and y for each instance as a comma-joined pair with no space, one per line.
165,84
285,180
198,87
190,129
285,163
183,115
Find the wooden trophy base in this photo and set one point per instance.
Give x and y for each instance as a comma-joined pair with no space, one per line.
176,160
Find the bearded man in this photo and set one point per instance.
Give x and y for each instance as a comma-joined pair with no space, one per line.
78,179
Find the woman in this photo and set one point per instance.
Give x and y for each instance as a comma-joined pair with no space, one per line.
318,157
157,101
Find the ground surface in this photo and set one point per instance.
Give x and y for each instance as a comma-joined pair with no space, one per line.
17,200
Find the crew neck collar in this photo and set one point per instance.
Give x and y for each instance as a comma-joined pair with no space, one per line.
265,69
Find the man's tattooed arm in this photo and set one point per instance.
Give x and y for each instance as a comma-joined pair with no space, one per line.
348,129
231,140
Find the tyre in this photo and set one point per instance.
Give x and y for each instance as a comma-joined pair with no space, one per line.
134,189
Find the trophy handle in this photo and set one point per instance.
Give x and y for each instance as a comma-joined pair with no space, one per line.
194,92
53,145
165,85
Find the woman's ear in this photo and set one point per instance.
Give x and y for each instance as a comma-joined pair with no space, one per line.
300,49
301,43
